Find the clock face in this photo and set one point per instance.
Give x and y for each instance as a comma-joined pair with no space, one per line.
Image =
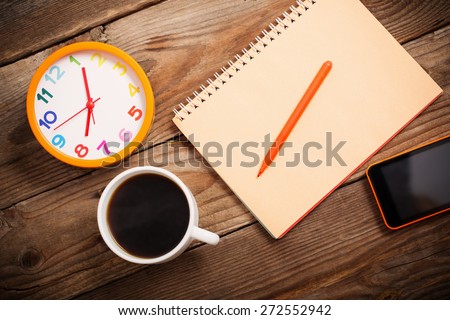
90,104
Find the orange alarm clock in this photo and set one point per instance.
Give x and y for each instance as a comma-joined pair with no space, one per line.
90,104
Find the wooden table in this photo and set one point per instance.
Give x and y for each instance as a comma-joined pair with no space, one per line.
50,246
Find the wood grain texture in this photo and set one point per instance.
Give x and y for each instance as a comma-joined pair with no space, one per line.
51,247
29,26
341,250
63,261
169,53
400,17
178,53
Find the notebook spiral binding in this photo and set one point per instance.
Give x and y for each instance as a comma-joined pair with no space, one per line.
249,53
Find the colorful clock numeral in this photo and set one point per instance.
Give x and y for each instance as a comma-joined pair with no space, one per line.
81,150
49,118
125,136
73,60
59,141
104,145
133,90
135,113
59,74
120,66
48,78
41,96
101,59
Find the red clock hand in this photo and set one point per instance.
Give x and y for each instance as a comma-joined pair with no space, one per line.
70,118
76,115
89,104
86,85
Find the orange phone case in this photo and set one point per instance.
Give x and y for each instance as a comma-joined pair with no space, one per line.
375,194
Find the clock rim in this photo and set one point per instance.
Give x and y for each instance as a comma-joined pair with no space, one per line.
137,140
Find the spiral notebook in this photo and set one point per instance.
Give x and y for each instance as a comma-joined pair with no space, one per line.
373,91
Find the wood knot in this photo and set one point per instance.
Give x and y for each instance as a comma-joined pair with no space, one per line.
31,259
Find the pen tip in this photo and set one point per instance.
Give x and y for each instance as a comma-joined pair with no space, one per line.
259,173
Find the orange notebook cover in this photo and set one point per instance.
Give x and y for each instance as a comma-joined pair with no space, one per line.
373,91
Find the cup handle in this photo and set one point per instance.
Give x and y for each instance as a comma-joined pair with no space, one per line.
205,236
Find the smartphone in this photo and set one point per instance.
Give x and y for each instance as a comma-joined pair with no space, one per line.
413,185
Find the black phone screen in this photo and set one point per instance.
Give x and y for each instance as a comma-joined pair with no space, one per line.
413,185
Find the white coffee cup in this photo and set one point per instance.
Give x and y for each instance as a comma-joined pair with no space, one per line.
192,232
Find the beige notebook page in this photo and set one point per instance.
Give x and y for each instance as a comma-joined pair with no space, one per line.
373,90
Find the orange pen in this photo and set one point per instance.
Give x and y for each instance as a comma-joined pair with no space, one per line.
290,124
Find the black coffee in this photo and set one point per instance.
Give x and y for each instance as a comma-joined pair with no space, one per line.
148,215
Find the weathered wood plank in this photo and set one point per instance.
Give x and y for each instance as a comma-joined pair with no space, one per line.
178,53
165,51
26,169
341,251
81,262
52,248
400,17
30,26
51,245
